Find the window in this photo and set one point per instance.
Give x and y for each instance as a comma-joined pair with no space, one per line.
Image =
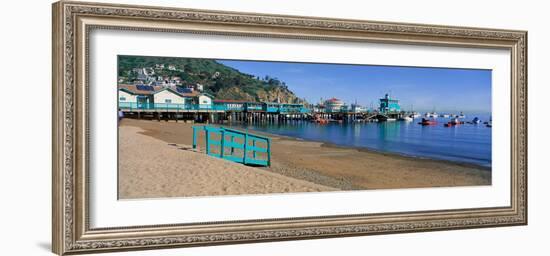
122,98
167,101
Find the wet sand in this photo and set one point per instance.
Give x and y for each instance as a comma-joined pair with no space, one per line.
327,166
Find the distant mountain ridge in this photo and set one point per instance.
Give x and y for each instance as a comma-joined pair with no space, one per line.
221,81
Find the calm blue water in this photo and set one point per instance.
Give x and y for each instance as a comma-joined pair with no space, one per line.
466,143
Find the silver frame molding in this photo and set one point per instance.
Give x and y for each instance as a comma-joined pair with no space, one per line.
72,22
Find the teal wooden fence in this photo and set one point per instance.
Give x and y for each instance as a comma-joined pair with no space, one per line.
234,145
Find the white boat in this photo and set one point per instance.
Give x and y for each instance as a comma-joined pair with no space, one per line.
445,115
415,115
406,119
461,115
431,115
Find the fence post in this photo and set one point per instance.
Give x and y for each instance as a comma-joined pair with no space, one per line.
254,148
232,141
268,152
207,134
222,142
194,137
244,147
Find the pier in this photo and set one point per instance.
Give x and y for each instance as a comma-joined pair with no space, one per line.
166,103
220,112
248,112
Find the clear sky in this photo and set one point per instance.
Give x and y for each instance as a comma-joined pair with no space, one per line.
445,89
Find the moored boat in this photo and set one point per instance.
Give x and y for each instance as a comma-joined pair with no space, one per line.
406,119
415,115
453,122
431,115
428,122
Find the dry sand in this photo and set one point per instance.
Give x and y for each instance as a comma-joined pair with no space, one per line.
150,168
155,160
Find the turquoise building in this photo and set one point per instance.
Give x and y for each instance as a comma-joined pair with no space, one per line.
387,104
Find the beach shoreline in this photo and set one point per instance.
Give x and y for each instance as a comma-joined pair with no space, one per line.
335,167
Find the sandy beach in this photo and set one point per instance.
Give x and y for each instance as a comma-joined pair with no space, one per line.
156,160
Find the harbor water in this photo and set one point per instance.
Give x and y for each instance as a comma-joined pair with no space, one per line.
467,143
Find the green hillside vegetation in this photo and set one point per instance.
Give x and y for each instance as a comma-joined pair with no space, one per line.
221,81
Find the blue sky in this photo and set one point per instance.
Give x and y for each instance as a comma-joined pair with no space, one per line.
446,90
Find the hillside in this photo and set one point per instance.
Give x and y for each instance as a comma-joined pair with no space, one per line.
219,80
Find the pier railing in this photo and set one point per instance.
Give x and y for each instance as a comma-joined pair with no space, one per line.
234,145
168,106
132,106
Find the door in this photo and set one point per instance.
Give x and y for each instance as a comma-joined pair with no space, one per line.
142,102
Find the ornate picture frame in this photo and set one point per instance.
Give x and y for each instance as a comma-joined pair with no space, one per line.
72,23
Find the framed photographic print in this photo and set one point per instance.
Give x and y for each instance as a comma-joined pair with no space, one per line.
179,127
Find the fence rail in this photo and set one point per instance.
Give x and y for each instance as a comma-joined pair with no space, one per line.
234,145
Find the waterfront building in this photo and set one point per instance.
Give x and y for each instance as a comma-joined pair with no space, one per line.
170,96
138,94
333,105
204,100
126,96
147,95
319,108
155,99
231,105
345,108
356,108
388,104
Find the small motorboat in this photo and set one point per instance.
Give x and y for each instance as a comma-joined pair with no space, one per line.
428,122
406,119
453,122
476,120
